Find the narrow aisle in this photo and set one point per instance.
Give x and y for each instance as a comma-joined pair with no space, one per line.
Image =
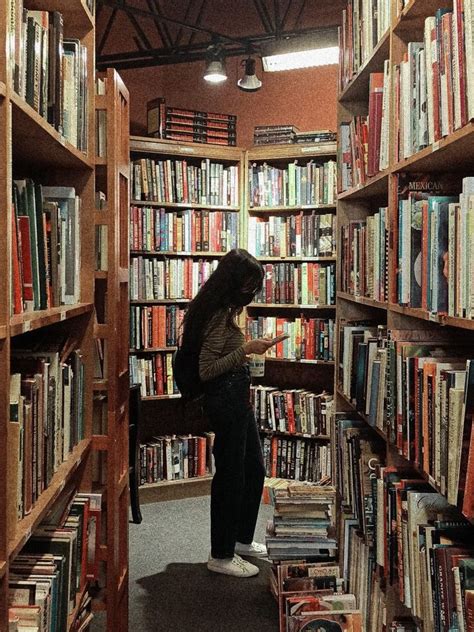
171,589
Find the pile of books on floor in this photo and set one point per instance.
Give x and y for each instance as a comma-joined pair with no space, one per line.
274,134
303,523
191,125
315,136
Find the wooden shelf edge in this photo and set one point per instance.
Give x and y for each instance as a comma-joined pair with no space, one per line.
169,253
186,205
362,300
3,89
291,150
149,145
362,415
283,209
61,478
368,188
440,319
3,332
298,435
22,323
149,398
3,569
179,481
290,306
41,124
154,350
159,301
366,68
296,259
302,361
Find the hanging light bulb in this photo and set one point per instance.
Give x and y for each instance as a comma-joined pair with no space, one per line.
215,65
249,82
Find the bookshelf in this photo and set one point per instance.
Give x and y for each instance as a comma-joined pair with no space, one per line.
192,222
275,225
33,149
395,444
111,335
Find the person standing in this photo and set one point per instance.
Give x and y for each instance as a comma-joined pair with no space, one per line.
210,328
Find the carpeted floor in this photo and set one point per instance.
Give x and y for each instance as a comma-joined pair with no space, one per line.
171,589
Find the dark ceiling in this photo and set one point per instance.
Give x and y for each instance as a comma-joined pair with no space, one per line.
141,33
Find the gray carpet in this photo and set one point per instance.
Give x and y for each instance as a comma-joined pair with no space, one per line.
171,589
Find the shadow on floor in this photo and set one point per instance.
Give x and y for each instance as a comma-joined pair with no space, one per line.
188,597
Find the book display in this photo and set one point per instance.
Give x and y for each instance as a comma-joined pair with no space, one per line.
53,550
184,215
403,433
289,226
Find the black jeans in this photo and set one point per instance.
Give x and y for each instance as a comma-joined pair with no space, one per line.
238,481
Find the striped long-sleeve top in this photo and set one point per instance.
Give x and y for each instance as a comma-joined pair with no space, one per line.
222,348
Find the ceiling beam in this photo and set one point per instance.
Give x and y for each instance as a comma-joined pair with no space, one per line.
143,39
106,32
198,20
180,32
155,8
161,19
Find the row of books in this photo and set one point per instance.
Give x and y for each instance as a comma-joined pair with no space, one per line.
292,411
154,373
309,338
434,85
190,125
178,181
357,452
46,415
155,279
303,235
298,284
315,136
418,390
274,134
46,246
428,550
174,457
296,459
156,326
50,71
49,576
435,233
363,25
156,230
364,268
295,185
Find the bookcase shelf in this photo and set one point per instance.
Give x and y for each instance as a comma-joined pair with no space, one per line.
297,435
288,152
144,145
22,323
290,209
373,187
164,301
374,347
362,300
358,87
290,306
178,481
302,361
77,17
170,253
150,398
296,259
50,148
186,205
61,478
153,350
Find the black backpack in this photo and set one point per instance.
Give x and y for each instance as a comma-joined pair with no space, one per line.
186,373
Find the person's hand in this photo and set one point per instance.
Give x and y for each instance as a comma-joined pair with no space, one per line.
258,346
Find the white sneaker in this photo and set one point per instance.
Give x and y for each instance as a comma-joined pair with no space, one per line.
235,566
254,549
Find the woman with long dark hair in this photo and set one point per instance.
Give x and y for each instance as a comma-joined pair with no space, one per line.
210,328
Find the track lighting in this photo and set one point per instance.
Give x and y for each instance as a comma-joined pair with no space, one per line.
215,65
249,82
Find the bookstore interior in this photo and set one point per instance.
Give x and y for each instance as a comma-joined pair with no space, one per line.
238,241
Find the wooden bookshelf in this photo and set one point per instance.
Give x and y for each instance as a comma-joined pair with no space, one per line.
161,301
170,253
286,373
31,147
113,174
297,435
153,350
151,398
186,205
453,153
179,481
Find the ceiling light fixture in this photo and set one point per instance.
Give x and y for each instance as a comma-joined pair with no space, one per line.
215,65
249,82
306,51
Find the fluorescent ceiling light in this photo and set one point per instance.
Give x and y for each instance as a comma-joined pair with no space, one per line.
301,59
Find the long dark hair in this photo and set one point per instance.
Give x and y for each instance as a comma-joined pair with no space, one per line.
236,273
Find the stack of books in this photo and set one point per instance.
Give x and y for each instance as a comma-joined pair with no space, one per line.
302,526
156,326
316,137
191,126
274,134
